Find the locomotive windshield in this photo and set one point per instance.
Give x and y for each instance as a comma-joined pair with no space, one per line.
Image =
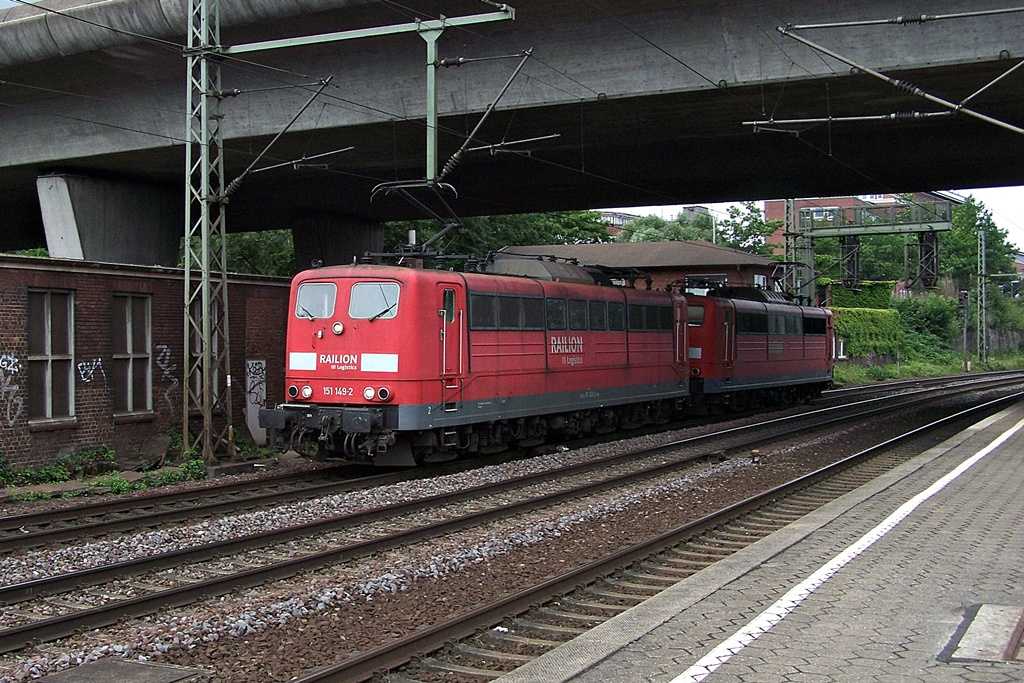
315,300
374,300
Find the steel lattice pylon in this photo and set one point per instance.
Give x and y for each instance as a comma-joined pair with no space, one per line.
207,385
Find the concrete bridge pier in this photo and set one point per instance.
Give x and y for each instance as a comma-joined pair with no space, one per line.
110,221
333,240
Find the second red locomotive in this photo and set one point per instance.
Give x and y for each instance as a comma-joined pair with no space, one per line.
400,365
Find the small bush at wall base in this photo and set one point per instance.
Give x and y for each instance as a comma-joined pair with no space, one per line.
194,470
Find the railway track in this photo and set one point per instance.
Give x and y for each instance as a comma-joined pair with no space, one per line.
51,607
505,634
158,510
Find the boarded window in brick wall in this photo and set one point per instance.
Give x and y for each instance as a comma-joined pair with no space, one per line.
131,334
50,355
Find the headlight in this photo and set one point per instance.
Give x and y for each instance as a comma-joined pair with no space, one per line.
307,391
293,391
337,328
369,393
384,394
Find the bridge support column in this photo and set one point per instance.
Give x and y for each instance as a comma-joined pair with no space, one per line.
334,240
111,221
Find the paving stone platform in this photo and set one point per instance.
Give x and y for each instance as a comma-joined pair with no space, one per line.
905,579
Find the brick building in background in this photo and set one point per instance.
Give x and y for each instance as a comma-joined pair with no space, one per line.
91,354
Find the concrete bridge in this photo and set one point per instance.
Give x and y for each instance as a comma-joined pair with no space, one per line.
653,102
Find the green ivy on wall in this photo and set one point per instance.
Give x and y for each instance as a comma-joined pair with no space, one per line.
867,295
868,331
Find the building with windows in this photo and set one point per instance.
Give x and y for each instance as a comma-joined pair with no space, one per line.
92,354
696,266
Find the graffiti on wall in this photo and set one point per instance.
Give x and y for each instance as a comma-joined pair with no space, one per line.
87,370
163,361
255,398
13,403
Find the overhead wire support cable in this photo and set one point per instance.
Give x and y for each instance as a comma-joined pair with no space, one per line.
900,116
455,158
296,163
906,87
905,20
233,185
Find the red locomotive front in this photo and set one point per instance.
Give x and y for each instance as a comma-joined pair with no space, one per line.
364,342
401,365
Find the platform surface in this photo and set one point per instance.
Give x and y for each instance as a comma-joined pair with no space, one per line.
918,575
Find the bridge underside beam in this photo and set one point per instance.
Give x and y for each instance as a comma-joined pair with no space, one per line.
331,240
111,221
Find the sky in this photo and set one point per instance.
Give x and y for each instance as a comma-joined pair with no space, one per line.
1005,203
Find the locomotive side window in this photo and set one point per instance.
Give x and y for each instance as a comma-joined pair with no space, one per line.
556,314
695,316
577,314
508,313
616,316
751,323
659,318
482,311
598,315
793,325
533,314
636,318
814,326
373,301
316,300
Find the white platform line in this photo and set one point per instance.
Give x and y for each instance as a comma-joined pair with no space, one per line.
791,600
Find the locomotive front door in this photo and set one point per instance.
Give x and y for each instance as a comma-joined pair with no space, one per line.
451,314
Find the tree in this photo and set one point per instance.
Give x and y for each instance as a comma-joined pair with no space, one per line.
270,252
655,229
747,230
958,254
482,235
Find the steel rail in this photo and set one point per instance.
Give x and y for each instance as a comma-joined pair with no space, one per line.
105,615
20,592
58,525
364,665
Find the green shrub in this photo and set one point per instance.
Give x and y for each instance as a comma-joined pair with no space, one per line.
52,473
194,470
8,474
932,315
118,484
89,462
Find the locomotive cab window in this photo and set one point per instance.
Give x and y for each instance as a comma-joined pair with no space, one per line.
315,300
373,301
449,306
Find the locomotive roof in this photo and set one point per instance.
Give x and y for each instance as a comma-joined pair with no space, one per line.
646,254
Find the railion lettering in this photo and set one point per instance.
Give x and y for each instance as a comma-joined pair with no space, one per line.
566,344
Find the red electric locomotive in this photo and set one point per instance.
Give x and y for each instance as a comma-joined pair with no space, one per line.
751,347
400,365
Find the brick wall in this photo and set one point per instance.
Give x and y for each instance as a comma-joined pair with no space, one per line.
257,315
